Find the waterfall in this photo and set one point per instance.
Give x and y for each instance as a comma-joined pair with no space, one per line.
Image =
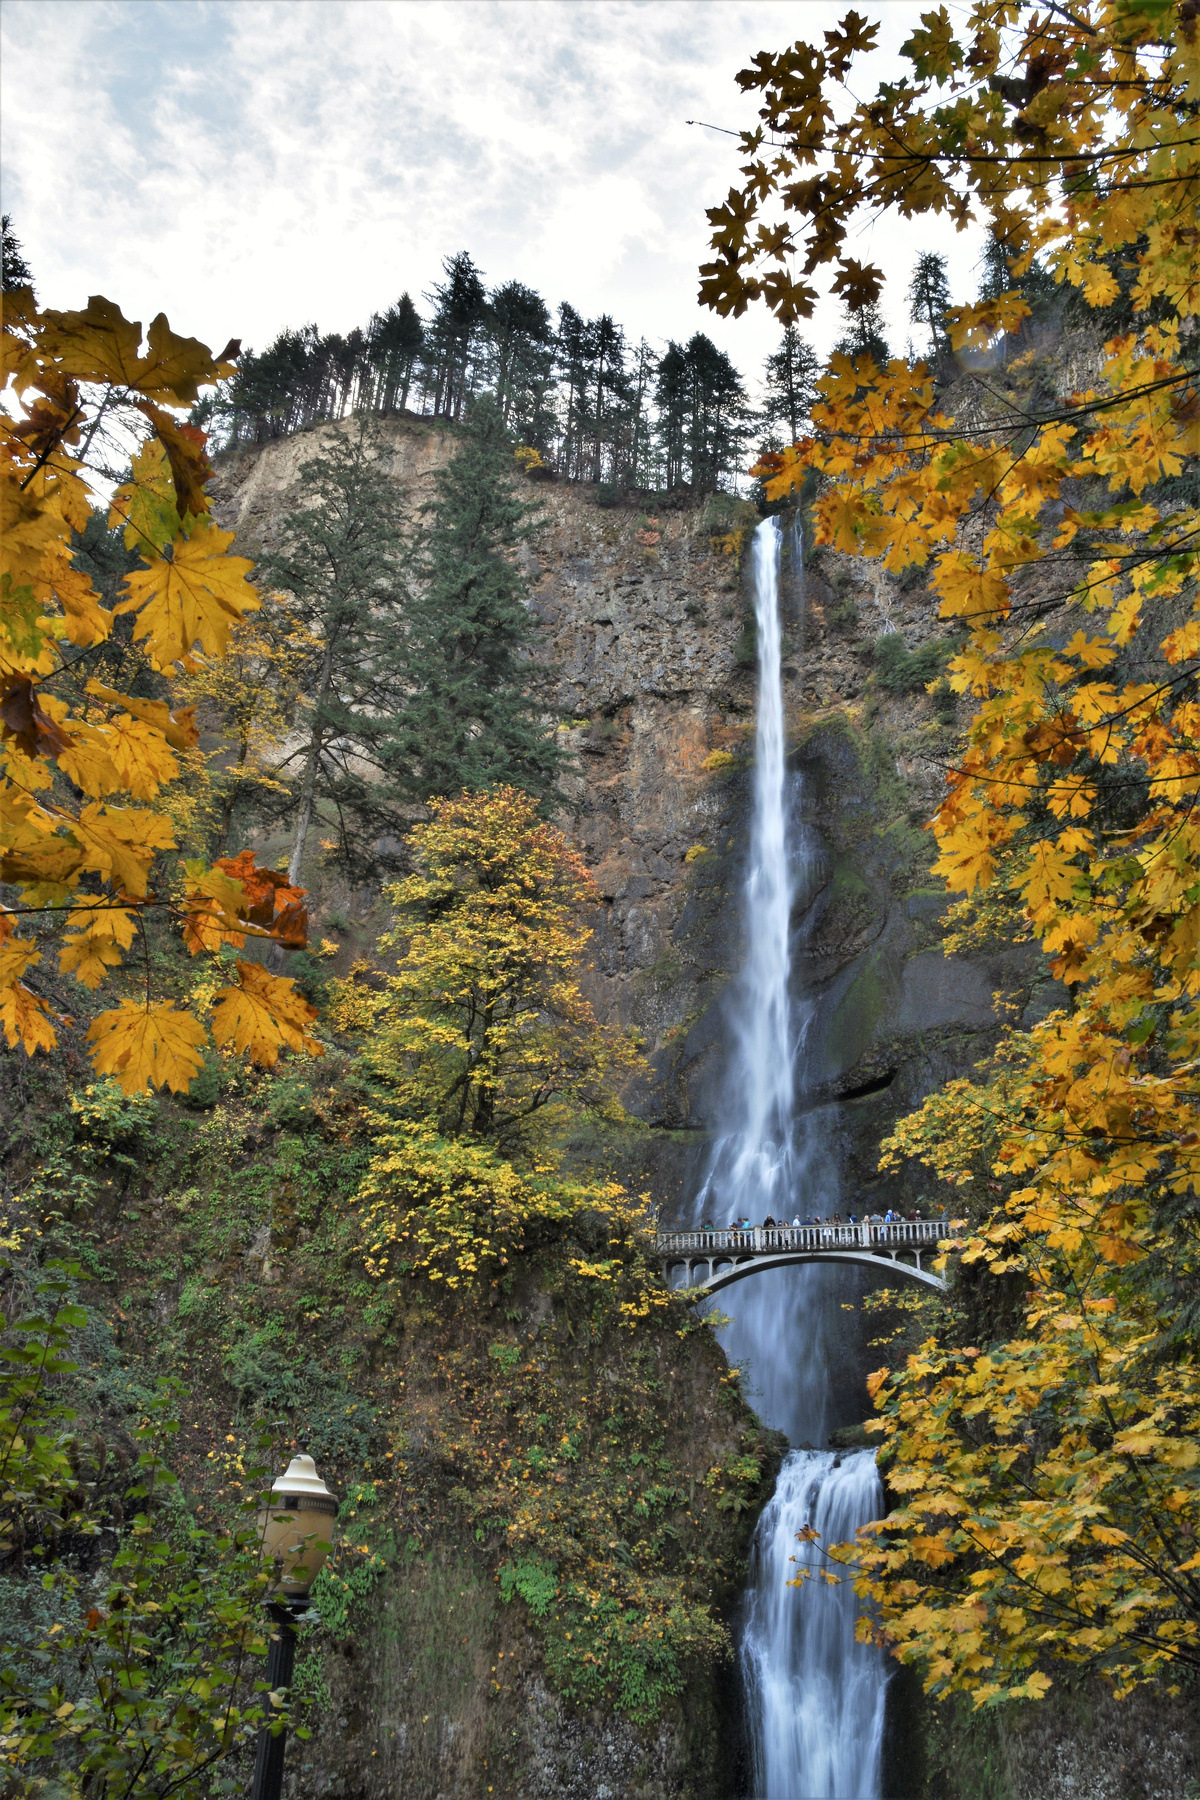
760,1162
759,1150
815,1698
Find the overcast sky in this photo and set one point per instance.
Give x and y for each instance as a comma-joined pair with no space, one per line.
248,166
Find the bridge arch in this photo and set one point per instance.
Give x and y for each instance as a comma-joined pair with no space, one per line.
712,1260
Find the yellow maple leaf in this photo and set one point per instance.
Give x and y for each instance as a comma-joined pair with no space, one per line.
179,728
262,1014
215,903
24,1018
194,596
100,932
875,1381
844,520
147,1046
85,621
1099,285
1183,644
145,509
23,1014
121,843
125,755
101,344
975,326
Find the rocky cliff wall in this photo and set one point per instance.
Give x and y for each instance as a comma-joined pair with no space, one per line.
653,647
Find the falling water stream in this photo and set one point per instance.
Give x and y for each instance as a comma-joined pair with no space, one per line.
815,1697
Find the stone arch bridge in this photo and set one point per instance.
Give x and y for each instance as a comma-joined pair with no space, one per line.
705,1261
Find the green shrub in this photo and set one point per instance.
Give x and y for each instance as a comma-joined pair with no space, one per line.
904,671
310,975
534,1580
204,1089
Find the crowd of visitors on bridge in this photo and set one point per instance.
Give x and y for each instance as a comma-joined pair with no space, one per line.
890,1217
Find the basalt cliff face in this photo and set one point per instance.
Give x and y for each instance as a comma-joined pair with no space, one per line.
648,626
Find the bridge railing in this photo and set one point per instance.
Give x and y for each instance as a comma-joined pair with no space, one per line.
760,1240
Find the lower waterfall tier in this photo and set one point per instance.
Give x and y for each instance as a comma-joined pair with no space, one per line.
816,1695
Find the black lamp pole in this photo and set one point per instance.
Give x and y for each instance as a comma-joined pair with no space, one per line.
281,1659
297,1526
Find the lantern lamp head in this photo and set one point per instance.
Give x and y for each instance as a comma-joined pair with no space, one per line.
297,1527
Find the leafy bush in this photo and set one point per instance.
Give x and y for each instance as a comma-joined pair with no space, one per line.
534,1580
106,1118
310,976
204,1090
133,1681
904,671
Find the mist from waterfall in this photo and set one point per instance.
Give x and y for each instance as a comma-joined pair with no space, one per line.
815,1698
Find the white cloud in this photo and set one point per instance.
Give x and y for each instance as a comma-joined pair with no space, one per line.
252,165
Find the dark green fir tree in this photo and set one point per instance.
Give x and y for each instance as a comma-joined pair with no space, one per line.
790,384
476,713
928,300
341,567
16,271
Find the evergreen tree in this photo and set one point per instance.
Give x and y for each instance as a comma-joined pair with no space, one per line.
611,397
928,299
471,717
16,271
521,338
672,394
1036,285
638,460
396,340
276,392
575,356
864,335
703,417
454,336
790,379
342,566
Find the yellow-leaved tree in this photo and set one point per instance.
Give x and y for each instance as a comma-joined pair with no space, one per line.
84,831
1048,1486
483,1041
484,1027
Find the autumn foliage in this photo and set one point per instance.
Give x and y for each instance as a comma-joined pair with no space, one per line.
485,1028
85,832
1048,1487
484,1043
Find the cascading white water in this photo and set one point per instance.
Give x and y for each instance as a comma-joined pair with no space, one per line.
759,1162
758,1152
815,1697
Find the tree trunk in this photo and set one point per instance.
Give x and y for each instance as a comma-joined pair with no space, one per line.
308,785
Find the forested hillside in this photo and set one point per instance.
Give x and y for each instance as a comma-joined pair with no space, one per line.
594,406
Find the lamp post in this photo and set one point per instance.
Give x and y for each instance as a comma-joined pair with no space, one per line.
296,1528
